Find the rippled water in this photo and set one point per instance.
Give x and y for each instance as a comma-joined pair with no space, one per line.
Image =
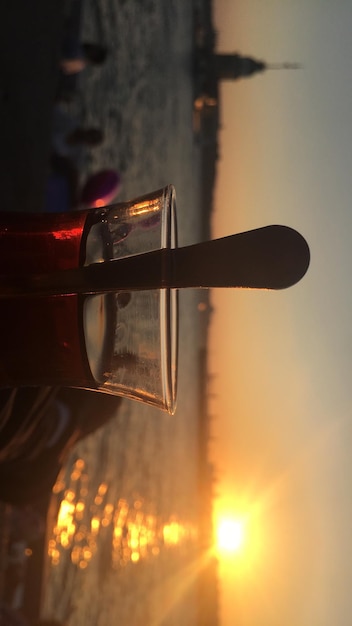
123,539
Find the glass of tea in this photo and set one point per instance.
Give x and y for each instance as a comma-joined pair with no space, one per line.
122,342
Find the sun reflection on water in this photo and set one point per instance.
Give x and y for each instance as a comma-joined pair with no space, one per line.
135,533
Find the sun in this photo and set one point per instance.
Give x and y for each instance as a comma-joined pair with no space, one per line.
230,535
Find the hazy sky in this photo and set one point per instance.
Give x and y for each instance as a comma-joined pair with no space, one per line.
283,360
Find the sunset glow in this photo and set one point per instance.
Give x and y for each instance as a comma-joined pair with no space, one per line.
230,535
243,536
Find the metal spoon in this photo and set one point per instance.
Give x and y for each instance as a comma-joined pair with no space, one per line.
273,257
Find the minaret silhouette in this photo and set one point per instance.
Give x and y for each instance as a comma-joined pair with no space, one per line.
234,66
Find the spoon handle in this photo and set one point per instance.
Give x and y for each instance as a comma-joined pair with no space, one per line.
273,257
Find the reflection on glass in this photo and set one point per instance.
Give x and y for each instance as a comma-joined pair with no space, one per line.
135,533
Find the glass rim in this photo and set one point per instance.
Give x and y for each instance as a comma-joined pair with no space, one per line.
165,398
169,309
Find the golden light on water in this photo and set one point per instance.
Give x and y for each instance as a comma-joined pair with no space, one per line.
134,533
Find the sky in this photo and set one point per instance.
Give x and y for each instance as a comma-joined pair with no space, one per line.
282,361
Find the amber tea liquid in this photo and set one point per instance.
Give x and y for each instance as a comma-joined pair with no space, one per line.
57,340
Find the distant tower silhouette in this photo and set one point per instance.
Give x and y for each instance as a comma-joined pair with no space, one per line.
233,66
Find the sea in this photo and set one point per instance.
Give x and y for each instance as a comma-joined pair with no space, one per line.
123,531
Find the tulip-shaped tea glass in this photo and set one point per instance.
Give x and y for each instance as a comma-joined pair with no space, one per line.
122,342
88,299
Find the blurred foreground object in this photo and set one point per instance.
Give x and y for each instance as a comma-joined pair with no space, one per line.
100,189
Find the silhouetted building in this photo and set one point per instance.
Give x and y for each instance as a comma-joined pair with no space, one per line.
234,66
